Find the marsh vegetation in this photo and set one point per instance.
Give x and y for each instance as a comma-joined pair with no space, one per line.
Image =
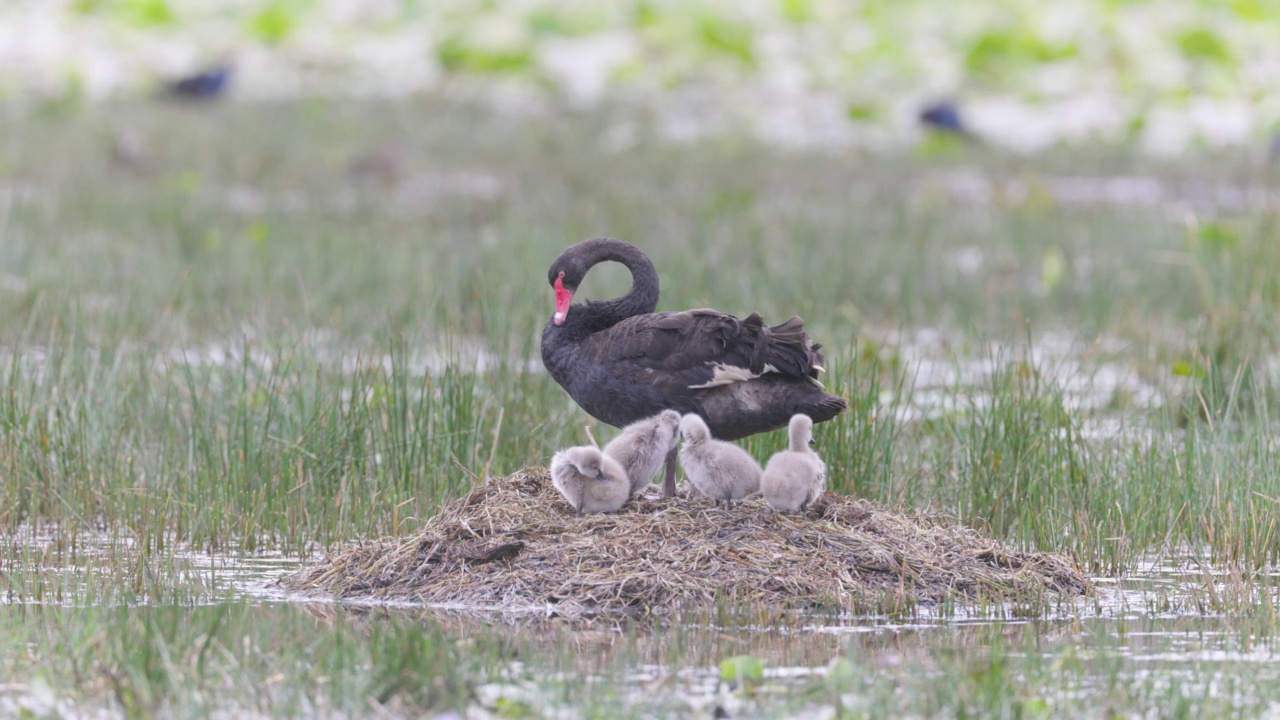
237,347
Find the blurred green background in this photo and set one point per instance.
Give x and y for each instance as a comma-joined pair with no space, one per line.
1166,75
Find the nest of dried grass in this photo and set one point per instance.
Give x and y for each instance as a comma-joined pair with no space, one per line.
514,543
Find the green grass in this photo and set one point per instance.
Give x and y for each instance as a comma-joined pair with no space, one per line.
240,345
236,658
236,346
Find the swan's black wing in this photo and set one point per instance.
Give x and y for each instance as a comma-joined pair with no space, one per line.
740,375
706,348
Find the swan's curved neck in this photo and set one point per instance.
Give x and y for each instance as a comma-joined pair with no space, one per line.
643,297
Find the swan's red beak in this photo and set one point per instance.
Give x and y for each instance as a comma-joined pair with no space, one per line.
563,298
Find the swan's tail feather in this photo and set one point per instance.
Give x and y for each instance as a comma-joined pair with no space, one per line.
785,348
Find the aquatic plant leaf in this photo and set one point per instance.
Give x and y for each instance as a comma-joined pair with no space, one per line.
148,13
273,24
1204,44
494,46
455,57
937,145
1188,368
1137,124
1000,51
570,24
645,15
1251,10
1219,236
742,669
796,11
728,37
862,111
508,708
1053,268
87,7
1031,708
257,232
841,673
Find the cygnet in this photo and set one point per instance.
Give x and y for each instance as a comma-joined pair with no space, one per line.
721,470
589,480
642,447
794,477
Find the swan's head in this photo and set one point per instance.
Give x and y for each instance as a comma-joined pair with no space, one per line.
693,429
565,275
587,460
568,270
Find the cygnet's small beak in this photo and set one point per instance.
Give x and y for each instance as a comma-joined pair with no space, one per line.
813,443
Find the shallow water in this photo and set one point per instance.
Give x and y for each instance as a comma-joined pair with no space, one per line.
1153,628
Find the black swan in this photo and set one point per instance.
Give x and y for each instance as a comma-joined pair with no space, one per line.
621,361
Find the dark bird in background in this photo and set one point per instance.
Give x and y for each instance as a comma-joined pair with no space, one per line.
621,361
944,117
204,85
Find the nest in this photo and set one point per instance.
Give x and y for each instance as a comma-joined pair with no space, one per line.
514,543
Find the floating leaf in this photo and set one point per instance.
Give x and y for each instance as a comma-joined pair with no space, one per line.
148,13
796,11
459,57
938,145
645,16
497,45
1000,51
1203,44
1053,268
572,24
842,673
1251,10
1137,124
86,7
1219,236
861,111
728,37
1188,369
1031,707
257,232
743,670
509,708
273,24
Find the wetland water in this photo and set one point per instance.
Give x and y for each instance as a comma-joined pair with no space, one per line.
1146,637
